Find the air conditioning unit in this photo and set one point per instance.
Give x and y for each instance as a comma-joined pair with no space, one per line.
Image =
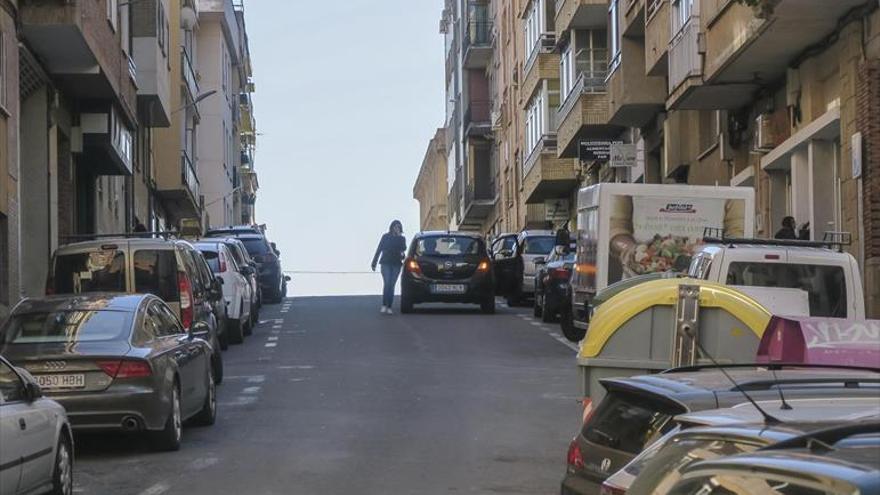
764,139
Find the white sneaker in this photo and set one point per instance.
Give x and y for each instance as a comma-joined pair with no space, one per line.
384,309
389,311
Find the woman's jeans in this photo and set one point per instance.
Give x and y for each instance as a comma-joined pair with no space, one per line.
389,275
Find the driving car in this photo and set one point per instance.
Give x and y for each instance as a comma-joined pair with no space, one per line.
267,257
728,431
449,267
115,362
638,410
36,441
236,288
248,268
838,460
167,268
514,266
552,287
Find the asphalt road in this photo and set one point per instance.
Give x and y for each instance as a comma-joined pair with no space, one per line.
330,397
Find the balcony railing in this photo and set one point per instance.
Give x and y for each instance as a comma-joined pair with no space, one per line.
684,54
189,74
546,43
588,82
189,176
478,33
653,7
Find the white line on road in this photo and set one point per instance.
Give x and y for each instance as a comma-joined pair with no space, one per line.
272,339
257,379
271,344
300,367
157,489
203,463
251,390
276,326
279,321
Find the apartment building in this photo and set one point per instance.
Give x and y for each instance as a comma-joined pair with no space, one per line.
10,209
245,191
430,189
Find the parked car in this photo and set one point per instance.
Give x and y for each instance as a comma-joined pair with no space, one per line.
730,431
214,296
237,291
248,268
841,460
115,362
553,283
515,268
36,441
235,230
267,256
638,410
447,267
168,269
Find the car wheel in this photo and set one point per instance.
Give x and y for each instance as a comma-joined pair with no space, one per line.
223,338
62,476
247,328
538,308
208,415
169,438
236,334
548,313
217,367
571,332
488,305
406,304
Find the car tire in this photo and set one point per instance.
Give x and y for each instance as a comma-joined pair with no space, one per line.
62,476
488,305
406,304
548,313
168,439
246,328
571,332
217,367
223,338
537,308
208,415
236,334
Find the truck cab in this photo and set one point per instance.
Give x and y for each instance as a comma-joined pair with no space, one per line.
826,281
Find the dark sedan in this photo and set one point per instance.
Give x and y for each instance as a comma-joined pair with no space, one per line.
115,362
552,283
449,267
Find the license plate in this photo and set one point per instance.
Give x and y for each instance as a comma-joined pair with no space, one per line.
50,382
448,288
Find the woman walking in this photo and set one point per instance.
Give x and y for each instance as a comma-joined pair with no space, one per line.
390,250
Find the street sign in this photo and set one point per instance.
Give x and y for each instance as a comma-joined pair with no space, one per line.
594,151
557,210
857,155
623,155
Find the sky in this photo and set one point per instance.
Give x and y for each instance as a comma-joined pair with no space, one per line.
348,94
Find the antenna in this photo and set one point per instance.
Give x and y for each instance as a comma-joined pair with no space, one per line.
688,332
785,405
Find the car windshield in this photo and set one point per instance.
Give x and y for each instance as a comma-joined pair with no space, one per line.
67,327
447,246
825,285
233,250
256,246
213,259
94,271
155,272
748,483
664,469
539,245
627,422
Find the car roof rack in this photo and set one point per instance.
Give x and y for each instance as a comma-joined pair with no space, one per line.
831,240
826,437
769,366
122,235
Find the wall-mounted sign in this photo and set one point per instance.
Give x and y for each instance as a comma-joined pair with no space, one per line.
594,151
623,155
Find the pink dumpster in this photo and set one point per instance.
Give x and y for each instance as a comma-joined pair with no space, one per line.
831,341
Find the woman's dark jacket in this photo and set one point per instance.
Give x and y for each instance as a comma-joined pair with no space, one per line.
391,249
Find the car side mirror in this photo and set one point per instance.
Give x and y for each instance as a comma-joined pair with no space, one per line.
200,329
287,278
540,260
506,253
32,390
247,270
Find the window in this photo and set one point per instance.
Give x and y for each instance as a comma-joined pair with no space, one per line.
539,245
97,271
615,34
448,246
3,61
682,10
162,28
68,327
825,285
155,272
166,323
11,387
535,115
534,27
213,259
627,422
256,246
734,484
113,13
567,74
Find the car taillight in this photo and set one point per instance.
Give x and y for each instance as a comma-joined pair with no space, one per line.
560,274
608,489
126,368
186,299
575,458
483,267
588,409
412,266
222,258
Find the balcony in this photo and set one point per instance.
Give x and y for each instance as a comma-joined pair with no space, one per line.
477,119
580,14
80,50
479,193
657,37
547,176
190,81
634,98
151,59
584,114
542,65
477,44
246,123
633,18
107,141
181,191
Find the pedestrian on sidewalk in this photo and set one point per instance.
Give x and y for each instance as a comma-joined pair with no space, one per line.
389,254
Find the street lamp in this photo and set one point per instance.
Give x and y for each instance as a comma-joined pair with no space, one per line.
196,101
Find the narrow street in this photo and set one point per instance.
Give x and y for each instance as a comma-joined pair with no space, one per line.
329,397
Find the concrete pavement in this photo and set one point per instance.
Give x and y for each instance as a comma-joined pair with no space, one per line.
330,397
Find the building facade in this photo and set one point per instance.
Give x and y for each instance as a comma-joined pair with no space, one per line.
781,96
430,189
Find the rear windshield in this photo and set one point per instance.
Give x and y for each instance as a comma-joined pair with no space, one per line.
155,272
213,259
256,246
628,423
448,246
539,245
67,327
824,284
96,271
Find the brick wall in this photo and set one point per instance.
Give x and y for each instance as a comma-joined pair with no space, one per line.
868,123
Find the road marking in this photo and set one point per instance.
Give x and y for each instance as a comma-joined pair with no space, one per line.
272,339
279,321
203,463
239,401
537,324
271,344
276,326
251,390
296,380
156,489
257,379
250,378
299,367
